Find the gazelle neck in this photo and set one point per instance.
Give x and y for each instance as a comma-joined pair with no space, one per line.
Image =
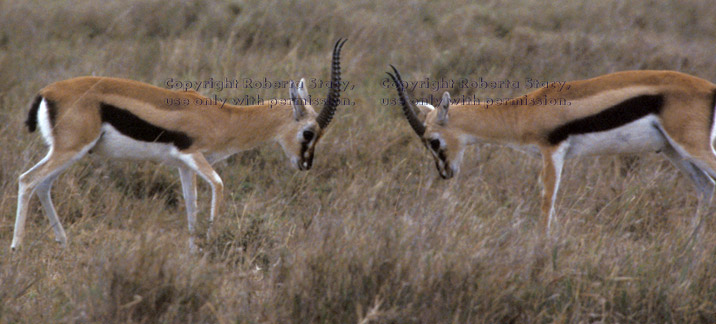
245,127
501,124
520,120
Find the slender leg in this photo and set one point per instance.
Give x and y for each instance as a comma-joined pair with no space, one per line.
43,172
552,163
699,163
197,163
24,193
43,192
705,165
703,183
705,162
188,185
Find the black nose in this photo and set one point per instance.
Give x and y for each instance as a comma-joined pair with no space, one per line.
305,165
447,174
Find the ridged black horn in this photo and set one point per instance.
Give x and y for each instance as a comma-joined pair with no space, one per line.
406,104
334,94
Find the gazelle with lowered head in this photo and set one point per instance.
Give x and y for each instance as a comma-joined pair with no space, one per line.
126,119
624,112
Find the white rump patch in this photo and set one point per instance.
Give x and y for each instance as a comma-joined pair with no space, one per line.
425,104
43,118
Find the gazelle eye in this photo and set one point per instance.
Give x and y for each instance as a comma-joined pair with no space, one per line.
308,135
435,144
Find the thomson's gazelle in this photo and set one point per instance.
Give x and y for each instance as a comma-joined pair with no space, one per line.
126,119
625,112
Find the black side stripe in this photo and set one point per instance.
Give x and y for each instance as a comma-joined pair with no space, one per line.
618,115
131,125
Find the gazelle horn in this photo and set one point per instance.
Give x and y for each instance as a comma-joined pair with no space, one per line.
408,110
334,94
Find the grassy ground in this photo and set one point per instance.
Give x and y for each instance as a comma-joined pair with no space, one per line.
369,235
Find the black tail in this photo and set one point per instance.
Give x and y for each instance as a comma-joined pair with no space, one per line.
31,121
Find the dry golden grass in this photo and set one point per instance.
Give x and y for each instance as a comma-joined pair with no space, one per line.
369,235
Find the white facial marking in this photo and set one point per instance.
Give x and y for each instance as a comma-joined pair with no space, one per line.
294,162
455,164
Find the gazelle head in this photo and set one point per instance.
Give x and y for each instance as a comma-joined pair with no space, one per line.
299,139
431,124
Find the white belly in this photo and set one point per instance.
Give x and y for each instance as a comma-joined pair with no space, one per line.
637,136
115,145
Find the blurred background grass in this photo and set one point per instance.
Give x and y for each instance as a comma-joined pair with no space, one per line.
368,235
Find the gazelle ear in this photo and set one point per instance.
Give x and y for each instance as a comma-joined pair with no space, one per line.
302,91
443,109
297,101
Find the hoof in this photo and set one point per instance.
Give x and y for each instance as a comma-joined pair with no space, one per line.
61,242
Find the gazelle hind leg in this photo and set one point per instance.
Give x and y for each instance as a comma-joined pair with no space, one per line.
24,193
696,157
703,183
43,192
706,161
40,176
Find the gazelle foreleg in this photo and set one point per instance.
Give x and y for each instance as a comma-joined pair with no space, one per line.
188,185
197,163
552,163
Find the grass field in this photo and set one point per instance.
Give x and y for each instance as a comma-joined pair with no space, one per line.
370,234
